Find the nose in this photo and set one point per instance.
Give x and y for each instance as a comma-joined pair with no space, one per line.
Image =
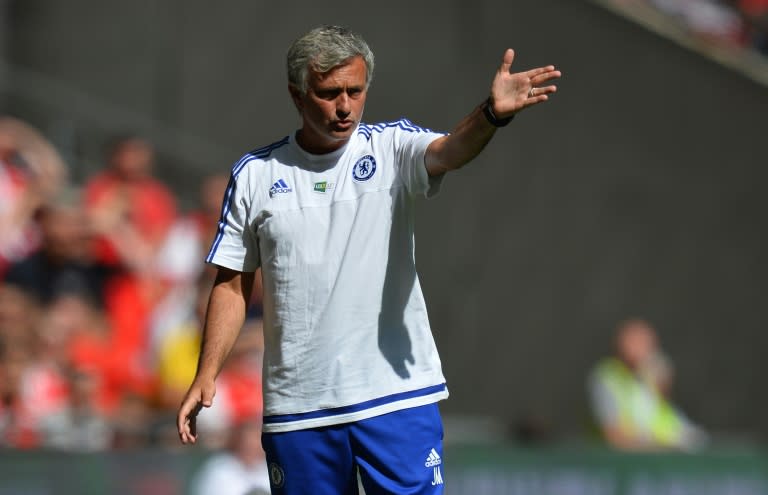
343,107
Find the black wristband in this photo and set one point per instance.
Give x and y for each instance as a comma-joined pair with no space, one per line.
495,121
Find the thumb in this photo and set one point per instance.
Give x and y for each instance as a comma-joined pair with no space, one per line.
207,394
506,61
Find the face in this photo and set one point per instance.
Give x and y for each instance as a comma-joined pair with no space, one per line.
133,159
636,344
332,106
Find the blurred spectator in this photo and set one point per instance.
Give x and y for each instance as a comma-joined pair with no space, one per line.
132,213
78,426
630,395
131,209
18,316
63,263
17,425
240,470
30,172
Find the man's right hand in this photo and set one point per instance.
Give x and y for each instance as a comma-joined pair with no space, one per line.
199,395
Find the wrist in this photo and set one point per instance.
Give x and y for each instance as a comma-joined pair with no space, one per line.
492,118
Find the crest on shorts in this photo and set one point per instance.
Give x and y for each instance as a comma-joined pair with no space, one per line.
276,475
364,168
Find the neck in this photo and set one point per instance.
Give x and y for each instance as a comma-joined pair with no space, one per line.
318,146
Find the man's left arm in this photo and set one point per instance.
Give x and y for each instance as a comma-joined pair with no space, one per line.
510,93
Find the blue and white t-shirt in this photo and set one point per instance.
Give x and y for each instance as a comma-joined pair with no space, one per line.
345,323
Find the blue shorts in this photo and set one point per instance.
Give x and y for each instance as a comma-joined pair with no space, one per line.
396,453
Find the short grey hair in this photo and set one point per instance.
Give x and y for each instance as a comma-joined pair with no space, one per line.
322,49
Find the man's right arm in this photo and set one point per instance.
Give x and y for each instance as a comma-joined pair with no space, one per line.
225,316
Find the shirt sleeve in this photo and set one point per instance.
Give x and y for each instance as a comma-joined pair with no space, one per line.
235,245
411,144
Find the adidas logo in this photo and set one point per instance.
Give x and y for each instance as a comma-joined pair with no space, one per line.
279,187
433,459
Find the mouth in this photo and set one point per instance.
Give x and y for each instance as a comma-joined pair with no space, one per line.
343,125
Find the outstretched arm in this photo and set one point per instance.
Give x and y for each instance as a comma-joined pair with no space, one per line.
510,93
226,314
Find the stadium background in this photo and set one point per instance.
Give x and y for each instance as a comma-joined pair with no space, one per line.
638,191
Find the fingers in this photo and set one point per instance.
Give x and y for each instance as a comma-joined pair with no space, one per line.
506,61
186,420
543,75
543,91
539,70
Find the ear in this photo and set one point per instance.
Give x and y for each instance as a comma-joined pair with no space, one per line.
296,96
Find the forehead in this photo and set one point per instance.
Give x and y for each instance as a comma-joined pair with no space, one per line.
352,72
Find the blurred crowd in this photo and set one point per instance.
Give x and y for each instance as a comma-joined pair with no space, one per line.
102,294
741,23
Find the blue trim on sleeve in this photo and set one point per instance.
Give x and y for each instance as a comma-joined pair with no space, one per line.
226,205
366,130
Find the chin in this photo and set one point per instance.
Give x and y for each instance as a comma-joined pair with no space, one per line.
342,135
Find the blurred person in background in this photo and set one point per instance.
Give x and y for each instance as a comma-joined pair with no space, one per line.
17,420
630,395
241,469
31,171
19,316
43,404
131,209
79,426
64,261
131,213
19,313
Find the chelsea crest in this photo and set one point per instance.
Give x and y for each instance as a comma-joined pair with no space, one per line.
364,168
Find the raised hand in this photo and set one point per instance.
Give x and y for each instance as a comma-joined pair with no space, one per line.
513,92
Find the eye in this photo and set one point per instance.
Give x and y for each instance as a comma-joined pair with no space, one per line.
327,94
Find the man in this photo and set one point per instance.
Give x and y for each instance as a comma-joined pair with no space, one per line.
629,395
351,373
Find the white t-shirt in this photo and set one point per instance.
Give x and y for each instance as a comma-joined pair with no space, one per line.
345,323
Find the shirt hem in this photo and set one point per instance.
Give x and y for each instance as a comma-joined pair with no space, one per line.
355,416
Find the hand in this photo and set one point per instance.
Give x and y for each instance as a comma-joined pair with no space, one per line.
513,92
198,396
